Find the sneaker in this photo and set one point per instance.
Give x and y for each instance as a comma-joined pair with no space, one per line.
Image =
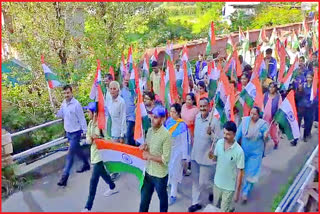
275,147
85,210
110,192
195,208
172,200
293,143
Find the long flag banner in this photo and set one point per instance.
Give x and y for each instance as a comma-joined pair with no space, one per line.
122,158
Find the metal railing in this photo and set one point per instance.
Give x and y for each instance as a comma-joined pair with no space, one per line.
41,147
292,198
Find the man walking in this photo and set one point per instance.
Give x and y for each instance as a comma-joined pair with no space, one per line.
157,151
202,168
74,124
229,171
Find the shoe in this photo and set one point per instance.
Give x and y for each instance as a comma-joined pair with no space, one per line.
85,210
172,200
244,200
305,139
275,147
83,169
293,143
110,192
114,176
210,198
63,181
194,208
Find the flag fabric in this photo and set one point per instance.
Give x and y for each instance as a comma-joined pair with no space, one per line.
154,57
51,78
295,41
211,39
185,83
252,93
185,58
314,88
228,108
223,91
171,92
262,36
260,69
162,87
122,158
241,36
245,48
229,46
111,71
169,51
130,60
285,81
305,28
214,75
315,43
97,95
286,117
142,123
134,79
282,55
145,67
273,38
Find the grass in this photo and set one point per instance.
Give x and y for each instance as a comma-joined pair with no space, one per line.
283,191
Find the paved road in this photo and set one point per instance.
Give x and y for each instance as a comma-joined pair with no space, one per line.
45,195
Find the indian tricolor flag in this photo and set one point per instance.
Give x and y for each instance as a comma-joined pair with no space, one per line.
229,46
286,117
314,89
185,58
211,39
285,81
97,95
51,77
145,66
262,36
142,123
162,87
134,79
223,92
241,36
214,75
252,93
111,71
228,108
154,57
185,83
130,60
122,158
169,51
171,91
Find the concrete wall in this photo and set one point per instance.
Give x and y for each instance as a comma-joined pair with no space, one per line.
198,46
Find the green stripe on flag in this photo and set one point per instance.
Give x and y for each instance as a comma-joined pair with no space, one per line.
247,98
51,76
122,167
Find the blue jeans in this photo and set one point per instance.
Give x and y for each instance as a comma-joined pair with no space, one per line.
74,149
98,170
149,184
130,133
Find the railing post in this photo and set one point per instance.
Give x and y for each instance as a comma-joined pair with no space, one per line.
7,148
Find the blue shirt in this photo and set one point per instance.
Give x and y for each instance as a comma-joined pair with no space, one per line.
73,116
199,68
129,101
272,69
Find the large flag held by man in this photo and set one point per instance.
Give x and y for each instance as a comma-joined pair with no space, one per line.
122,158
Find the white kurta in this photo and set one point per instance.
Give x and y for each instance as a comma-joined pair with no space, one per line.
179,151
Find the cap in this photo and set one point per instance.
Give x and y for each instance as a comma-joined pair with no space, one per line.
92,106
159,111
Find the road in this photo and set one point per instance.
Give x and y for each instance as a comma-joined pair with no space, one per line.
45,196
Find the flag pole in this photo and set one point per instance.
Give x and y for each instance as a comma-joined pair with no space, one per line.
50,97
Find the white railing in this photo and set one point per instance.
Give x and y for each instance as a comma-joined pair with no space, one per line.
297,188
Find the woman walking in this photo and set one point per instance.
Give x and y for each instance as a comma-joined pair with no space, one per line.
253,133
179,150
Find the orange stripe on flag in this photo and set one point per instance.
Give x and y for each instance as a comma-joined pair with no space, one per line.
131,150
292,102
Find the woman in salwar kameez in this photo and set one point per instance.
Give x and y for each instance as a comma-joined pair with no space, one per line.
179,150
252,132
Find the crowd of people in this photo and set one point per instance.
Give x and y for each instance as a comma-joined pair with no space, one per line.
186,139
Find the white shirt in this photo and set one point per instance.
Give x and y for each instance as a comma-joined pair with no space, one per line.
73,116
117,109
